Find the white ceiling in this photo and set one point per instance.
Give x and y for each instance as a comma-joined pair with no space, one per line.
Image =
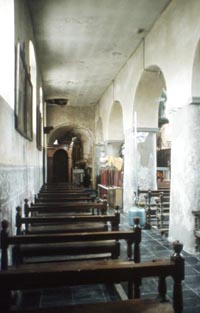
82,44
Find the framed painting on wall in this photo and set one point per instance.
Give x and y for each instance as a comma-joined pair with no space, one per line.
20,84
28,107
23,96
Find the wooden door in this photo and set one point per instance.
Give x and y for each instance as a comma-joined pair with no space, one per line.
60,166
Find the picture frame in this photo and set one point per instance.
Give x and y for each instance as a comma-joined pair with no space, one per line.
28,108
23,96
20,91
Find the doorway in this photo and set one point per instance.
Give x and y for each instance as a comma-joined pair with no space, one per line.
60,166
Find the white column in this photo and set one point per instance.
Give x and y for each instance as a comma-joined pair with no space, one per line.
146,158
129,183
185,173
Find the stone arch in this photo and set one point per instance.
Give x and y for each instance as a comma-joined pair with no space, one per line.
83,134
82,138
148,92
115,128
148,97
196,73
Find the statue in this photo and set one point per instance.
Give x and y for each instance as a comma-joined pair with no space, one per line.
162,119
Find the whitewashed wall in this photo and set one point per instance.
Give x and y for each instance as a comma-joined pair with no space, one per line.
170,46
20,161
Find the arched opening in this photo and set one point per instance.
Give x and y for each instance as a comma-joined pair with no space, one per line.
78,142
83,142
111,160
33,72
60,166
196,73
151,128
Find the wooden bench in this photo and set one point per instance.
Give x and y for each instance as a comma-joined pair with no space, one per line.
61,189
61,223
154,192
62,194
197,229
67,198
46,275
64,208
150,198
69,244
61,186
162,213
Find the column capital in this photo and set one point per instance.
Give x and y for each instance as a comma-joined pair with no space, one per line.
142,130
147,129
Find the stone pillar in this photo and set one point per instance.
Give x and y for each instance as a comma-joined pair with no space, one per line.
98,149
185,173
139,163
130,183
146,158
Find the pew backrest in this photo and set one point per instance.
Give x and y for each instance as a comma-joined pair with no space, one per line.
131,237
90,272
94,207
113,219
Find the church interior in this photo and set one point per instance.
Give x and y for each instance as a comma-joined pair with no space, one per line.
99,161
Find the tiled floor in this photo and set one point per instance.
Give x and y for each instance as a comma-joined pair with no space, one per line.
153,246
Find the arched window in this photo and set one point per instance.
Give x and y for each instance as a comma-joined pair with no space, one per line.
33,75
39,120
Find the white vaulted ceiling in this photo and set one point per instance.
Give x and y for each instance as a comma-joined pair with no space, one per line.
82,44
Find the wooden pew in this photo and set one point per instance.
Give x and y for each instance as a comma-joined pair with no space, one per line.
47,275
150,199
69,243
67,186
64,208
196,215
154,192
61,189
69,223
162,213
67,198
62,194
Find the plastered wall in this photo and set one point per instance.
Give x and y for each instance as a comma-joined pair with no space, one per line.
170,46
20,161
